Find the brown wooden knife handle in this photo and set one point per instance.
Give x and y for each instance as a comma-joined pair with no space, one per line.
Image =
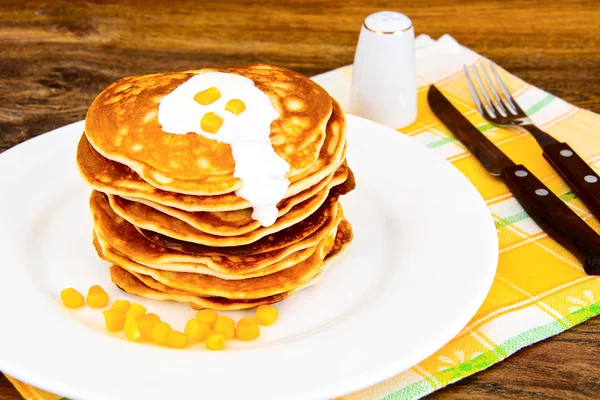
578,174
554,217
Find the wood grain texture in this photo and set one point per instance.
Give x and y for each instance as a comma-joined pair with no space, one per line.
55,56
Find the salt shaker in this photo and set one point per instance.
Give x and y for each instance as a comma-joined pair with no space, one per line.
384,79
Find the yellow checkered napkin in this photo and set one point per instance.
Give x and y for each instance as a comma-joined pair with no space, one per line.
540,289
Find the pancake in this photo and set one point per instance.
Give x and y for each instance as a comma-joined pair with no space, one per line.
280,240
242,271
123,120
239,222
105,251
112,177
129,283
206,285
272,242
123,236
145,217
146,286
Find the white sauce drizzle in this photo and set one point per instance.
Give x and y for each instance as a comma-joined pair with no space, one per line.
261,170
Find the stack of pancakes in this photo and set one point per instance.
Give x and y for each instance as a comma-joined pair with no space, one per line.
165,210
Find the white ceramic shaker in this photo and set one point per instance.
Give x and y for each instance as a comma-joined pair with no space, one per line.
384,79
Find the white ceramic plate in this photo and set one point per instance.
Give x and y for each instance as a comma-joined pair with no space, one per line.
422,261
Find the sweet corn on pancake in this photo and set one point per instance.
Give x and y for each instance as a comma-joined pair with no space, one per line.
115,178
217,187
122,124
146,286
125,238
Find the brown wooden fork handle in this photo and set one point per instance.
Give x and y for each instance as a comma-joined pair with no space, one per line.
578,174
554,217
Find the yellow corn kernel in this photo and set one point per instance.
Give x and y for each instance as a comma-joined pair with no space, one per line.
211,122
226,326
215,341
147,322
235,106
265,315
72,298
208,96
160,333
132,329
178,340
115,320
97,297
207,316
247,329
196,330
121,305
136,310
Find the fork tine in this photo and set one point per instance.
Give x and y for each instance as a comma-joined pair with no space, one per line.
511,103
486,97
474,94
499,105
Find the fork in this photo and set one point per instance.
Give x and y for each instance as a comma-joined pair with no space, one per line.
505,111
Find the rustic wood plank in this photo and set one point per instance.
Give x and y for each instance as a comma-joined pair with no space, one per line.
56,56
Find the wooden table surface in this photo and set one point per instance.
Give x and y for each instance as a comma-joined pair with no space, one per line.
55,56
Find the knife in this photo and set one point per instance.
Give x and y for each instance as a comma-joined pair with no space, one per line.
546,209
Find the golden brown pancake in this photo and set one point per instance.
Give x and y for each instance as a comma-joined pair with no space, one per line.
122,125
112,177
239,222
151,219
206,285
129,283
280,240
146,286
272,242
123,236
242,271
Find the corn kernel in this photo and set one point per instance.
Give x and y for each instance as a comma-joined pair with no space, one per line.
215,341
211,122
97,297
196,330
178,340
121,305
72,298
132,329
160,333
208,96
115,320
265,315
207,316
147,322
136,310
235,106
226,326
247,329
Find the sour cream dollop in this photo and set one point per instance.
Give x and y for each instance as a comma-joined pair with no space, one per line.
261,170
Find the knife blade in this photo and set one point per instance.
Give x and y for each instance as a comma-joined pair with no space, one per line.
544,207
